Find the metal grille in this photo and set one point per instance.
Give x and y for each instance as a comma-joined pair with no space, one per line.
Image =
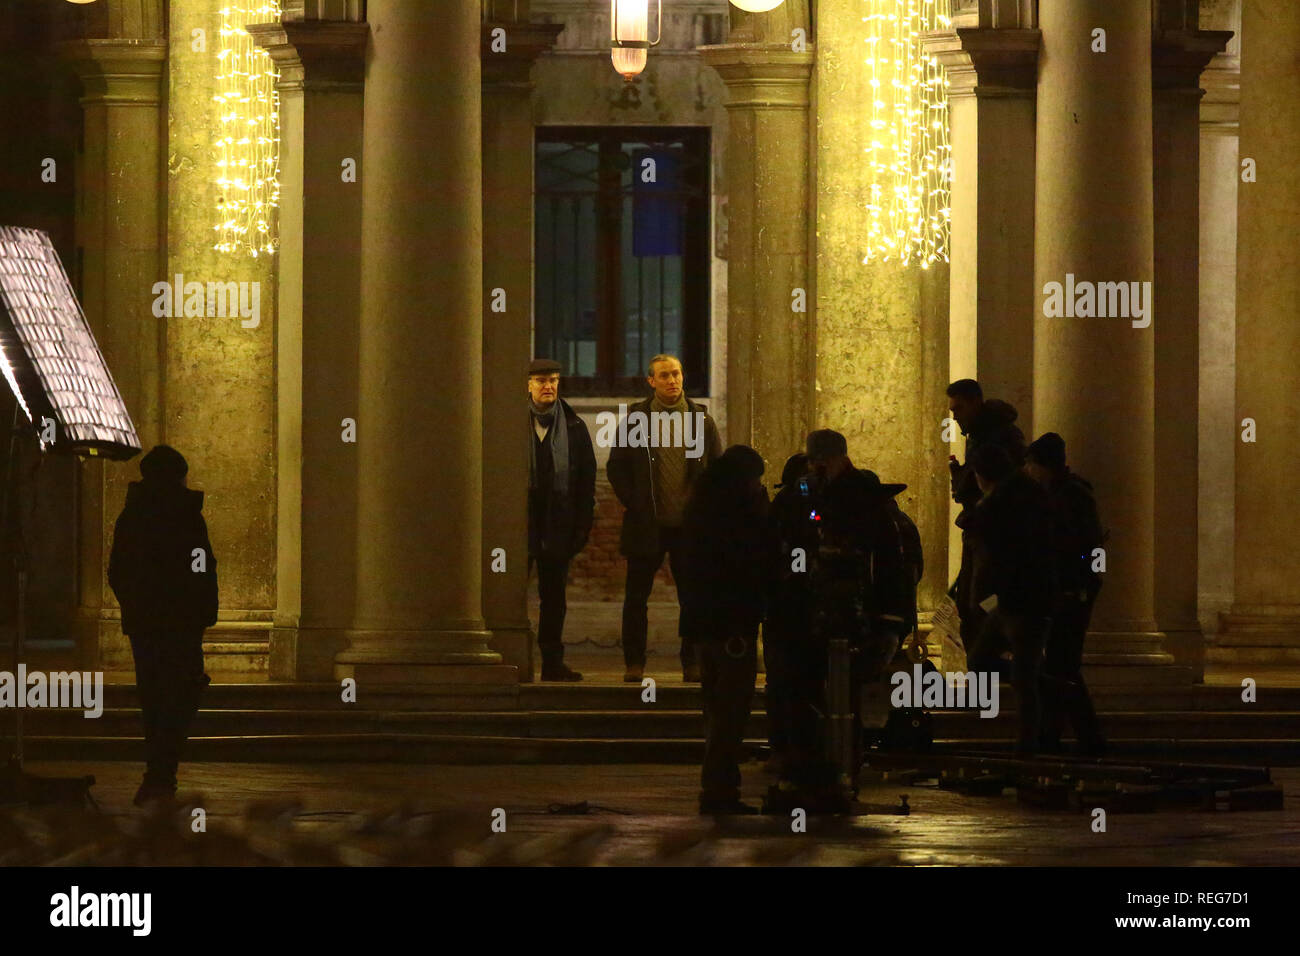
605,301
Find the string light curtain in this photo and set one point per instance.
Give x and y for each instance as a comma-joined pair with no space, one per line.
248,142
908,154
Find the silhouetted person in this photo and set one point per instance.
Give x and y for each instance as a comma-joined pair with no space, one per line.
653,485
1013,578
561,505
724,565
984,423
1076,531
789,610
165,577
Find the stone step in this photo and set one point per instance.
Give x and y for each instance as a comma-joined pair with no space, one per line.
610,697
650,722
459,749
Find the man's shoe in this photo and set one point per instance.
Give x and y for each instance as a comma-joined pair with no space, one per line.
726,808
690,675
633,675
561,674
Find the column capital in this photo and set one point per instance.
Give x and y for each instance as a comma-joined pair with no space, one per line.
762,75
525,42
315,54
1179,56
119,71
987,63
1221,107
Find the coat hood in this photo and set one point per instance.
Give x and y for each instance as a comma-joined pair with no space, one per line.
148,494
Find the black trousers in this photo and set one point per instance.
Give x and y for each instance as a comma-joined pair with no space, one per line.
728,672
641,571
1025,635
1065,695
552,578
170,680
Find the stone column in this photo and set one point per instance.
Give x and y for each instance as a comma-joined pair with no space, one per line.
992,73
419,574
881,344
119,230
507,336
770,348
1093,377
1179,52
1264,626
1219,429
321,64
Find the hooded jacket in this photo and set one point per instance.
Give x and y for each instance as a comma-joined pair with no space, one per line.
994,424
151,566
1011,533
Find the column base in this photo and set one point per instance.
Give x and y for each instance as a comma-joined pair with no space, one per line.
305,653
452,657
515,645
1186,642
1131,658
1256,634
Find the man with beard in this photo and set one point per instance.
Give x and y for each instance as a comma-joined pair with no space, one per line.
984,423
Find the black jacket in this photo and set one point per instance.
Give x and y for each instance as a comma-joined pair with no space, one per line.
1011,533
856,514
559,523
1076,531
150,566
995,424
631,474
724,558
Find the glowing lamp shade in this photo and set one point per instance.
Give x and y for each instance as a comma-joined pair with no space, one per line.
757,6
629,34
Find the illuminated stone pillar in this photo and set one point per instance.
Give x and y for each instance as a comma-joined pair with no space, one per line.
1093,377
881,329
1264,625
419,427
321,65
1219,429
770,346
991,59
219,373
1179,52
507,336
119,230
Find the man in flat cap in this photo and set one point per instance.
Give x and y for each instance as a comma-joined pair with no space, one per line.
561,504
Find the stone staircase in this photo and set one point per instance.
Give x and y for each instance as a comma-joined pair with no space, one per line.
609,723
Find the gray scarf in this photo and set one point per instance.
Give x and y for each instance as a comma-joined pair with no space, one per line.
558,435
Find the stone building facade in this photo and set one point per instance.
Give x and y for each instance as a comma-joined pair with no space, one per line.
373,559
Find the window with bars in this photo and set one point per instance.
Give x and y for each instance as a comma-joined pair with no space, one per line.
622,254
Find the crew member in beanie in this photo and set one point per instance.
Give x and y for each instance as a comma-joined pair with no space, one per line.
1076,531
561,505
165,577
